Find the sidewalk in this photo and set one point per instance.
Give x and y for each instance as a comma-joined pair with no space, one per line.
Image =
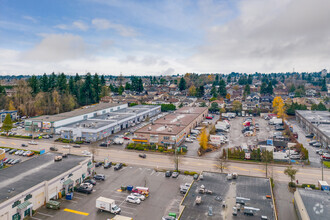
284,202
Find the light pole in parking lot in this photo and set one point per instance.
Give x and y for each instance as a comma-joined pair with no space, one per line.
322,166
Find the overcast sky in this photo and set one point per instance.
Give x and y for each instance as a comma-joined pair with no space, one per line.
163,37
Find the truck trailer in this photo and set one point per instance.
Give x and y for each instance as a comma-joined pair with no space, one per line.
105,204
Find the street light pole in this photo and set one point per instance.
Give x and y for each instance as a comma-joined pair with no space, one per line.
322,166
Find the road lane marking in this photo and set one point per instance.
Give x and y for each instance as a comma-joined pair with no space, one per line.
44,214
259,170
13,143
238,168
3,142
76,212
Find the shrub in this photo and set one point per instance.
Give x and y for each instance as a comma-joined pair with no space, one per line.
139,148
153,147
161,149
292,184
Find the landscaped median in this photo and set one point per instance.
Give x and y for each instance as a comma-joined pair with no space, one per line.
326,164
154,148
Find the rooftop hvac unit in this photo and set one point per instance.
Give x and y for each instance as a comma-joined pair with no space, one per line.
170,130
149,128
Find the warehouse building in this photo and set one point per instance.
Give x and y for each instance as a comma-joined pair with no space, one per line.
312,204
51,123
317,122
172,129
29,185
216,197
103,125
92,123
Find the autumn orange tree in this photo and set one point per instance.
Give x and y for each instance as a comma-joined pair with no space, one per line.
278,107
203,139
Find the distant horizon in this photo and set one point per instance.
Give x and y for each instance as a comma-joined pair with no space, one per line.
163,37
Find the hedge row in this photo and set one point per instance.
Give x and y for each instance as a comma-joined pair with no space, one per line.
151,147
67,141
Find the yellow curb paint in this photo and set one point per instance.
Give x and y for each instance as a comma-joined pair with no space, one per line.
76,212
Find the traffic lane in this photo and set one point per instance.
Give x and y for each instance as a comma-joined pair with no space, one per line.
162,191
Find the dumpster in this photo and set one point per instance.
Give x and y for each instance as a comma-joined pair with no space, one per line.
69,196
172,214
129,188
53,204
123,188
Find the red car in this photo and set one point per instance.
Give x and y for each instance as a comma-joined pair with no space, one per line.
208,117
126,138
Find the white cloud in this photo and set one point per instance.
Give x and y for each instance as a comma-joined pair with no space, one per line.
57,47
104,24
29,18
80,25
268,36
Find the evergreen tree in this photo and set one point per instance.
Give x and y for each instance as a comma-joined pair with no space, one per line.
62,85
292,88
214,92
140,85
34,84
72,87
7,124
52,82
182,84
270,88
87,92
222,88
247,89
324,85
96,88
128,86
77,78
229,79
102,82
250,79
263,88
44,84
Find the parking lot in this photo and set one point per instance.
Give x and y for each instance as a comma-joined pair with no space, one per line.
16,157
164,196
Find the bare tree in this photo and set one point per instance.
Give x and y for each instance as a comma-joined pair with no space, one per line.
222,161
93,149
176,159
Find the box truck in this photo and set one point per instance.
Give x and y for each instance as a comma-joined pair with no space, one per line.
105,204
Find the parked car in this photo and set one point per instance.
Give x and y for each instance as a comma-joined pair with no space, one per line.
64,155
8,161
169,218
175,174
142,155
26,153
85,189
107,165
53,149
279,128
311,135
24,145
15,161
76,146
312,142
168,173
98,164
317,144
133,199
189,140
91,181
126,138
12,151
99,177
195,176
118,166
30,154
295,134
140,196
18,152
57,158
320,151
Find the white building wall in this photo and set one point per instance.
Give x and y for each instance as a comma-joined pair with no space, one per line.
41,192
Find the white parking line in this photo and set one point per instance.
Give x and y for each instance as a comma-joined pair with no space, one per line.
127,207
152,172
127,213
45,214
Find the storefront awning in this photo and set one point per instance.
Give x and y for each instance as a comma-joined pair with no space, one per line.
25,205
67,182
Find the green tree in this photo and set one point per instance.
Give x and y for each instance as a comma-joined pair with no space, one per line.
214,107
292,88
270,88
182,84
128,86
247,89
222,88
263,88
203,104
291,172
167,107
34,84
121,90
44,84
102,81
96,88
324,85
7,124
62,83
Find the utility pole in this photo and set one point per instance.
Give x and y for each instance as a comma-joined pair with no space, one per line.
322,166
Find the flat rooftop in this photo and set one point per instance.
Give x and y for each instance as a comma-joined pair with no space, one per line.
161,129
31,172
320,119
313,200
81,111
191,110
176,118
253,188
90,124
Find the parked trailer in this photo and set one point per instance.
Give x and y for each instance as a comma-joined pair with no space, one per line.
323,185
250,210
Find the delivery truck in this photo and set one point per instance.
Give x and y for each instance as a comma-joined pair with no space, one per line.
105,204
